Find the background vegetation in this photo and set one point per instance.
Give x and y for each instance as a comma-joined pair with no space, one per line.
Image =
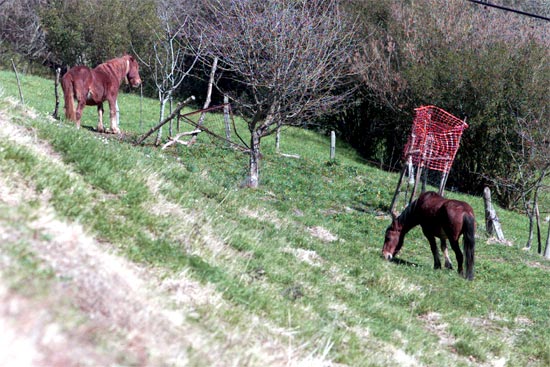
479,63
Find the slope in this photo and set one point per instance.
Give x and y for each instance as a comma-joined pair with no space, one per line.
136,256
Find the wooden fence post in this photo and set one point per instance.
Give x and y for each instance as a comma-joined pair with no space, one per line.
117,113
492,224
332,145
18,82
55,113
226,118
547,247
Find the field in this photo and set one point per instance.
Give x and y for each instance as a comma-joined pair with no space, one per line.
114,254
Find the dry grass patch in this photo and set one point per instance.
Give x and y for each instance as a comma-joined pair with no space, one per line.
308,256
434,323
322,233
263,215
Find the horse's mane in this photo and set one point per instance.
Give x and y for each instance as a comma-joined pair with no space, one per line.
406,214
116,67
410,214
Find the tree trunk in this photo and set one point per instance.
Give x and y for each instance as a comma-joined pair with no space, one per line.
161,118
278,140
255,156
206,102
170,125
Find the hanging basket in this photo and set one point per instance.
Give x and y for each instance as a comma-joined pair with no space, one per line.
434,139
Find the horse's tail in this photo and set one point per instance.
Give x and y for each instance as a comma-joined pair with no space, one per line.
469,231
68,93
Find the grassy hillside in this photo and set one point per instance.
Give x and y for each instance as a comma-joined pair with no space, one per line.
289,274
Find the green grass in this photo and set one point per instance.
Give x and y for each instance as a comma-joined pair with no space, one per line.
365,307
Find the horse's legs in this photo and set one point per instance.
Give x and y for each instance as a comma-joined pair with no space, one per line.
79,108
459,257
114,122
435,252
448,264
100,127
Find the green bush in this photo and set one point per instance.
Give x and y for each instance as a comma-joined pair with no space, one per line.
84,32
470,62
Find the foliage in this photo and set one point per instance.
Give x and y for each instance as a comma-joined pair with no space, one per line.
21,36
90,32
480,64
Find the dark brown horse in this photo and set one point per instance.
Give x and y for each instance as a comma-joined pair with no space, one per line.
439,217
92,87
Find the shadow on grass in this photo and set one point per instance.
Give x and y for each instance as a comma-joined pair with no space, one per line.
404,262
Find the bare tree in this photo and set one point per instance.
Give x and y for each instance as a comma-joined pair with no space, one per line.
291,59
532,161
20,27
169,62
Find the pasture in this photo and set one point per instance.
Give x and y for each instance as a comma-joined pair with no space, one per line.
290,273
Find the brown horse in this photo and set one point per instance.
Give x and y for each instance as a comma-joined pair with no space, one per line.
441,218
92,87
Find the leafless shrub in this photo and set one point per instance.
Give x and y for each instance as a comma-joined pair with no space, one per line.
20,28
291,59
172,57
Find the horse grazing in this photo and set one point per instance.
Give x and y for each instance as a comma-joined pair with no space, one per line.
439,217
92,87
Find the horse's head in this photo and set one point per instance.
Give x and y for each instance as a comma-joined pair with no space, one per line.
133,72
392,240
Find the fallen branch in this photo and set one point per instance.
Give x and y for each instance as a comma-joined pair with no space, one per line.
175,139
166,120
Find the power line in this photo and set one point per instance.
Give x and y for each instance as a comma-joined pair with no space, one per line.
510,9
